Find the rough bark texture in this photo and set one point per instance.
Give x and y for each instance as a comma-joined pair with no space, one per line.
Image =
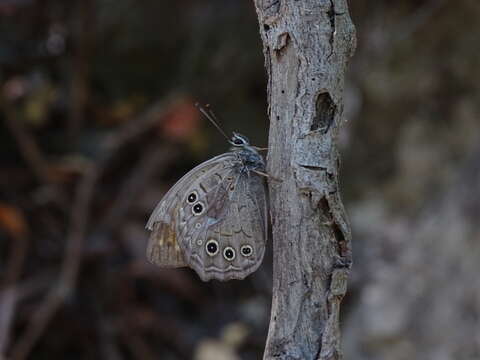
307,45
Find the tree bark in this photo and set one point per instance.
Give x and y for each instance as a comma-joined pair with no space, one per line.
306,45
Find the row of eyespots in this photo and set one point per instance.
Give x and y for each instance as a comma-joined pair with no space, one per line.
198,208
212,249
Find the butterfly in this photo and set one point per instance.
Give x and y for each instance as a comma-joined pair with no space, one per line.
214,219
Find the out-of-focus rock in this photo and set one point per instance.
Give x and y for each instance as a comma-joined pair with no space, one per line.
233,335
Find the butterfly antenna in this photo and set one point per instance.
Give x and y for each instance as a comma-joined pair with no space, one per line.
212,114
212,118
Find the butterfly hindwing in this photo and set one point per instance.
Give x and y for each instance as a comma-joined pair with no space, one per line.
228,240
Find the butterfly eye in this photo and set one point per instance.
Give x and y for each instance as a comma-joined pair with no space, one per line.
198,209
229,253
192,197
246,250
212,247
238,142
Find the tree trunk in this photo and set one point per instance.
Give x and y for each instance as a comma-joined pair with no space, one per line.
306,45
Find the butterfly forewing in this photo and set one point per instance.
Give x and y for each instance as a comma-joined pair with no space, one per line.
163,248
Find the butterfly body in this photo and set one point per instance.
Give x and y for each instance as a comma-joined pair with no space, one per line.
214,219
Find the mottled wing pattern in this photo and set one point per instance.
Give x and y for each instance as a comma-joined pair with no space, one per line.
163,247
227,241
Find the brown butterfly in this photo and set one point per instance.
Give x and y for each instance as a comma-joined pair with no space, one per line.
214,219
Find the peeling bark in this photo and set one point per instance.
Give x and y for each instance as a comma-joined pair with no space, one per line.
306,45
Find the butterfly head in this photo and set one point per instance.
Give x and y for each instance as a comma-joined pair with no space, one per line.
239,140
249,155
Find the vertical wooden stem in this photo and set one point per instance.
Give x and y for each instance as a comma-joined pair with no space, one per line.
306,45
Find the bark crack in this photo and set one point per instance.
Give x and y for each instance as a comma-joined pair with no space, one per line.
270,7
325,110
338,235
314,168
331,16
282,41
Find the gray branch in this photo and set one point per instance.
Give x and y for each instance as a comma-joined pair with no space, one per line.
306,45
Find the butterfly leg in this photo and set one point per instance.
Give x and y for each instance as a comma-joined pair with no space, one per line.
266,175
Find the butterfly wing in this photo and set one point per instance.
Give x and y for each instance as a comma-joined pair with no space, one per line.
163,249
227,240
163,246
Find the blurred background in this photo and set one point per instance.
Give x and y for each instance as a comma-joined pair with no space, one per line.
97,122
